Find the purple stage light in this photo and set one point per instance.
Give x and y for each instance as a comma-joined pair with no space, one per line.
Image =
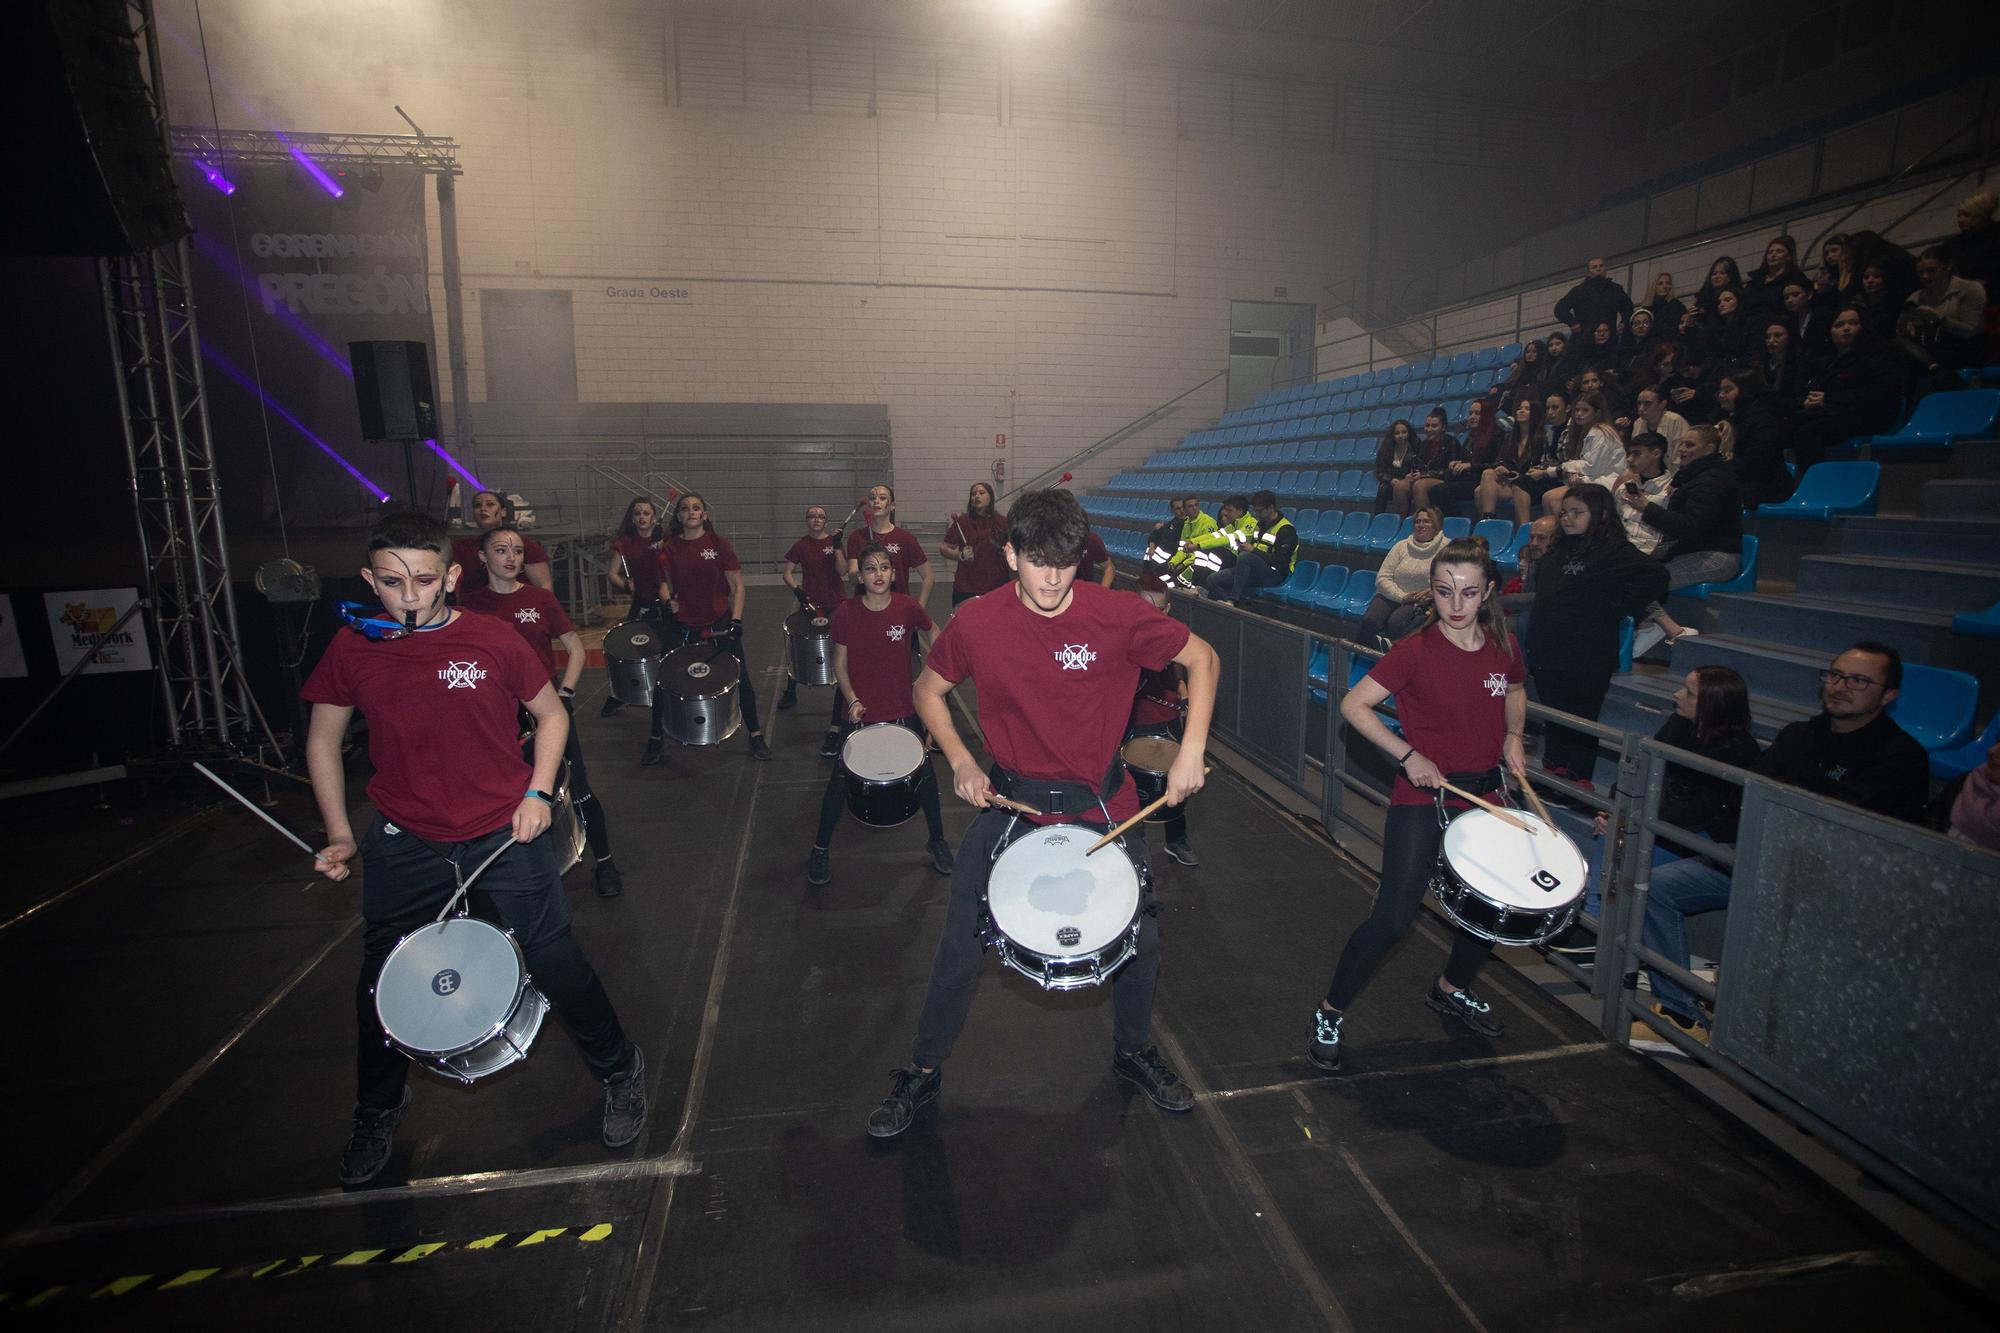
223,364
215,177
313,169
455,465
214,252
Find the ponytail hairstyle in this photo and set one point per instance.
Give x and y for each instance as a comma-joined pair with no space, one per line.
1492,620
674,528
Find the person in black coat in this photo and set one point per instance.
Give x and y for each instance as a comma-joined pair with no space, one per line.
1590,580
1784,367
1596,298
1757,431
1666,307
1723,273
1809,322
1858,392
1700,526
1763,290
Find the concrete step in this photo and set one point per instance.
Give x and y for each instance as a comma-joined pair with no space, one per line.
1925,585
1969,497
1949,539
1827,626
1778,672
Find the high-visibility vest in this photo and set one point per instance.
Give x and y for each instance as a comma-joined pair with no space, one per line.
1265,538
1227,538
1198,526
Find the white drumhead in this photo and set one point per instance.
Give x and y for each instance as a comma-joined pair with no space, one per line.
1046,895
1516,869
447,986
882,752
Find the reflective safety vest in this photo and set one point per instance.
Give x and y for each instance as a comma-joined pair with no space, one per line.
1219,538
1198,526
1262,540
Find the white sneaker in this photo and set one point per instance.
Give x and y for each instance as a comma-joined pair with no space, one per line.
1684,634
1647,638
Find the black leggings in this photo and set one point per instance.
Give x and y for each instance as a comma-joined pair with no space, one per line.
1410,838
746,693
835,799
1578,692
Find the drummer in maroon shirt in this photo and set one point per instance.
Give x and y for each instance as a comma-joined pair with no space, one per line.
635,568
1462,710
874,644
703,584
1095,566
973,540
1160,709
1056,663
442,690
489,510
816,572
540,619
905,550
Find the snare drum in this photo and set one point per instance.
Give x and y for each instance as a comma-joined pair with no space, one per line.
885,769
565,825
1061,919
809,646
698,685
632,660
1147,759
454,996
1505,885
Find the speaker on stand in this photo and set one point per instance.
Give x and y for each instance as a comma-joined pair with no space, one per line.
392,387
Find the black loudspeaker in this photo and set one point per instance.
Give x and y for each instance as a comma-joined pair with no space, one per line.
392,386
101,180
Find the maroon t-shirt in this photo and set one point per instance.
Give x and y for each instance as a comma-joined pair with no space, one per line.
879,644
465,551
1159,697
904,549
1055,691
819,569
443,710
641,557
1452,704
1094,554
987,569
695,570
533,611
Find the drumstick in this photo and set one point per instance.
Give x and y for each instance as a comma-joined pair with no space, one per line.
206,772
1541,811
1487,806
1018,807
1134,819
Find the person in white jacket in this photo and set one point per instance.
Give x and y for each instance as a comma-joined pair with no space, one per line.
1591,447
1646,464
1403,583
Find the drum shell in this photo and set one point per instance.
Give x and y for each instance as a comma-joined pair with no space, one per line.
696,716
1488,915
565,825
499,1036
884,802
1085,966
633,674
1150,783
809,647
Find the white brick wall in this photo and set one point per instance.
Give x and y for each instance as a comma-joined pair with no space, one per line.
1042,282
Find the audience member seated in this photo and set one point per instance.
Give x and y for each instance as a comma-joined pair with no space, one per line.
1666,307
1763,290
1600,349
1596,299
1858,392
1590,447
1898,266
1558,345
1478,455
1395,468
1403,583
1849,752
1943,324
1651,414
1527,376
1756,439
1518,594
1975,256
1645,467
1642,335
1968,809
1526,466
1701,526
1604,384
1840,275
1809,320
1784,367
1436,452
1877,306
1723,275
1721,338
1264,558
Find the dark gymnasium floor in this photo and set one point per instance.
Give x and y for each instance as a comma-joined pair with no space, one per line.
182,1076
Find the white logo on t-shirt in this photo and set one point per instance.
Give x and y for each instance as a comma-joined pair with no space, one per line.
896,633
708,553
1075,656
893,548
1496,683
528,615
462,675
826,550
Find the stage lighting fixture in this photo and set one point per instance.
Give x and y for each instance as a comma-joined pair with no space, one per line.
312,168
215,177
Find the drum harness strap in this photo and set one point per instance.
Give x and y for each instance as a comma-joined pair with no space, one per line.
1485,780
1071,800
458,874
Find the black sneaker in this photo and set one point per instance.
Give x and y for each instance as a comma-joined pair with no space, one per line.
1323,1051
940,851
625,1103
819,866
909,1094
1155,1077
368,1147
1468,1009
788,698
651,754
759,750
611,705
1184,854
609,882
829,746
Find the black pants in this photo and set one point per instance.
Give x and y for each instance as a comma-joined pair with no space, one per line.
955,969
835,799
405,884
1578,692
1410,840
746,693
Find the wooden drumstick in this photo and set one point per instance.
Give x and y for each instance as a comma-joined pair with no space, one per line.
1149,809
1018,807
1497,812
1541,811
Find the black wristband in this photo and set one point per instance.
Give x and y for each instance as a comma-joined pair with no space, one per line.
1406,757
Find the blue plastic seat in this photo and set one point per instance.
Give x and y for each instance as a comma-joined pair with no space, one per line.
1456,527
1354,485
1325,594
1486,358
1936,706
1397,374
1828,489
1945,418
1327,531
1384,531
1360,590
1947,764
1509,556
1462,363
1288,483
1458,386
1354,530
1316,668
1296,584
1745,580
1980,624
1305,521
1496,532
